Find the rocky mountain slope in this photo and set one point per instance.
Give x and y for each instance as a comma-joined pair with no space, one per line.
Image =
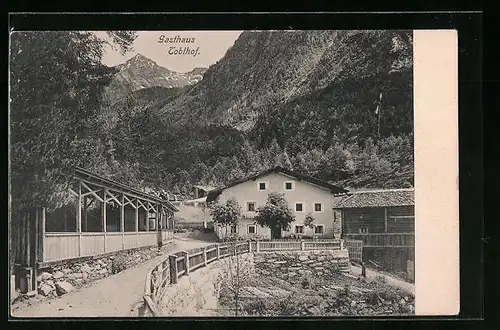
141,72
334,104
268,70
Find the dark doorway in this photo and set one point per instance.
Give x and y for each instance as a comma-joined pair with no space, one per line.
276,232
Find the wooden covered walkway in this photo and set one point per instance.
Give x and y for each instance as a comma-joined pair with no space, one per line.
102,216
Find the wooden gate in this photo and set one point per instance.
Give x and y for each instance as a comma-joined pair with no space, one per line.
355,248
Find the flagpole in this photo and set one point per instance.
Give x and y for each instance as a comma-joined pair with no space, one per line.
379,108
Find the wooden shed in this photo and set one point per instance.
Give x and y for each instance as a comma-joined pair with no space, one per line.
377,211
384,220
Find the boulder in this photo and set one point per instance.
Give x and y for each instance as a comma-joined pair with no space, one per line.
66,271
31,293
50,282
103,271
58,274
44,276
303,258
45,289
75,275
85,268
63,288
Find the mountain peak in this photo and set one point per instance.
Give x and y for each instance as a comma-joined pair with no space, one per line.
141,72
140,58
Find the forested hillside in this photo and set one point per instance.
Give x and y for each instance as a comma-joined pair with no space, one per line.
336,105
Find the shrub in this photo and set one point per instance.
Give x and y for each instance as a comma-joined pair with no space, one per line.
254,307
118,264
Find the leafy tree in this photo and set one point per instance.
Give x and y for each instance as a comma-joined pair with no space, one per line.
284,161
275,214
309,221
227,214
56,87
56,83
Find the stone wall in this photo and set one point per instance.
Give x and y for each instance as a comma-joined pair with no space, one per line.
60,278
290,265
197,294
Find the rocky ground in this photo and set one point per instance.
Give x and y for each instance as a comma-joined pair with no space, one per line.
336,295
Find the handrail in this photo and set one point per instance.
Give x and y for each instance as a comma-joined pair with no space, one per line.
155,285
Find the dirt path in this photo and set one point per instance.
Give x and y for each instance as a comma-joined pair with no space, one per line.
391,280
113,296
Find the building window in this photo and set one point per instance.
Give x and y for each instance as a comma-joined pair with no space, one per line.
363,230
252,229
251,206
318,207
319,229
289,185
262,185
299,207
233,229
299,229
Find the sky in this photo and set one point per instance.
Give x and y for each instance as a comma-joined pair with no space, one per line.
205,48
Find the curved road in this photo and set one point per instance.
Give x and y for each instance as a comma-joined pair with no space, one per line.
114,296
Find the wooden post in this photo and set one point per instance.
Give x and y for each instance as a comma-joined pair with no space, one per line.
385,219
250,246
136,214
205,256
84,218
185,254
172,261
257,248
36,231
218,252
146,212
159,227
79,218
104,223
27,233
41,233
302,245
122,220
79,209
341,244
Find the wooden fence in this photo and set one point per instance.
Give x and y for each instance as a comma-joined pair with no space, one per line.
390,251
384,239
61,246
184,262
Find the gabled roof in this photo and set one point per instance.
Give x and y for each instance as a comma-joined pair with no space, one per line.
376,198
81,172
206,188
212,195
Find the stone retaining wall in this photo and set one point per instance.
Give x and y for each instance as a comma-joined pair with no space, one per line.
60,278
197,294
288,265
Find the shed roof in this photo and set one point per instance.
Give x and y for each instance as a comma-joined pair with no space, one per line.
212,195
375,198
